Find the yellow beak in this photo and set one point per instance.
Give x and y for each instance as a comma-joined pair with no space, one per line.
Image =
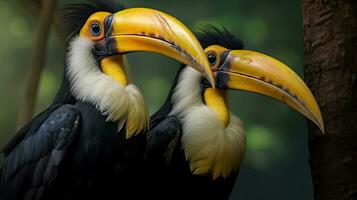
143,29
255,72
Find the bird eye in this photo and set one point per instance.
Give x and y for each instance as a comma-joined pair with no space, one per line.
95,29
212,58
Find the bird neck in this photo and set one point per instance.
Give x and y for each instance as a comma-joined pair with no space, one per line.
106,90
188,91
210,146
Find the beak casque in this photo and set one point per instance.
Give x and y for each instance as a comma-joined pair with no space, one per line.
255,72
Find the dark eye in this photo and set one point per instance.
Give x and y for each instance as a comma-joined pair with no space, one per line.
95,29
212,59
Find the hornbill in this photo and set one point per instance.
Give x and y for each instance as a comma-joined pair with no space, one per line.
195,145
89,143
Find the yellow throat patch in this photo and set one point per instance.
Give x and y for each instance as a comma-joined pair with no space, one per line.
216,100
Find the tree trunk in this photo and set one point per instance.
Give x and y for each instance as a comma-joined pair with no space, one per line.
28,102
330,38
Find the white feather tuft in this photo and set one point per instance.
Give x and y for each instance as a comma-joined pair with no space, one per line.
138,118
187,92
208,145
89,84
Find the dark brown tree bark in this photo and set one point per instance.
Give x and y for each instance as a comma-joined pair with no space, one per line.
27,105
32,6
330,37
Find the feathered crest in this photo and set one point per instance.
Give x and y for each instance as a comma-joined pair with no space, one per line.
73,16
211,35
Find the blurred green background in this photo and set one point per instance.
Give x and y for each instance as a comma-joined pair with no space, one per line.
276,162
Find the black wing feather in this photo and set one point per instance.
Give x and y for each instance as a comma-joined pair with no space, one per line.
29,128
162,141
32,165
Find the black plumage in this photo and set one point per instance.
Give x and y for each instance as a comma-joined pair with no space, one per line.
70,151
212,35
168,172
39,155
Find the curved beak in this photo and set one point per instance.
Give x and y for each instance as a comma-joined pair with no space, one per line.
255,72
143,29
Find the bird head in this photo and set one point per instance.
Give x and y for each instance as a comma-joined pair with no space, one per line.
237,69
112,31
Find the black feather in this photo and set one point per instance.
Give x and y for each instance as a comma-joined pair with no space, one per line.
211,35
32,165
72,17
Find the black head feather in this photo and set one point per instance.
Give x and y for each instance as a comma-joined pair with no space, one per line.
211,35
73,16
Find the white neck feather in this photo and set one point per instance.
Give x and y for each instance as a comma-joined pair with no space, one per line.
122,104
210,147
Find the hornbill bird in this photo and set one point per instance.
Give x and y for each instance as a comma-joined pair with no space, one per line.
89,143
195,145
